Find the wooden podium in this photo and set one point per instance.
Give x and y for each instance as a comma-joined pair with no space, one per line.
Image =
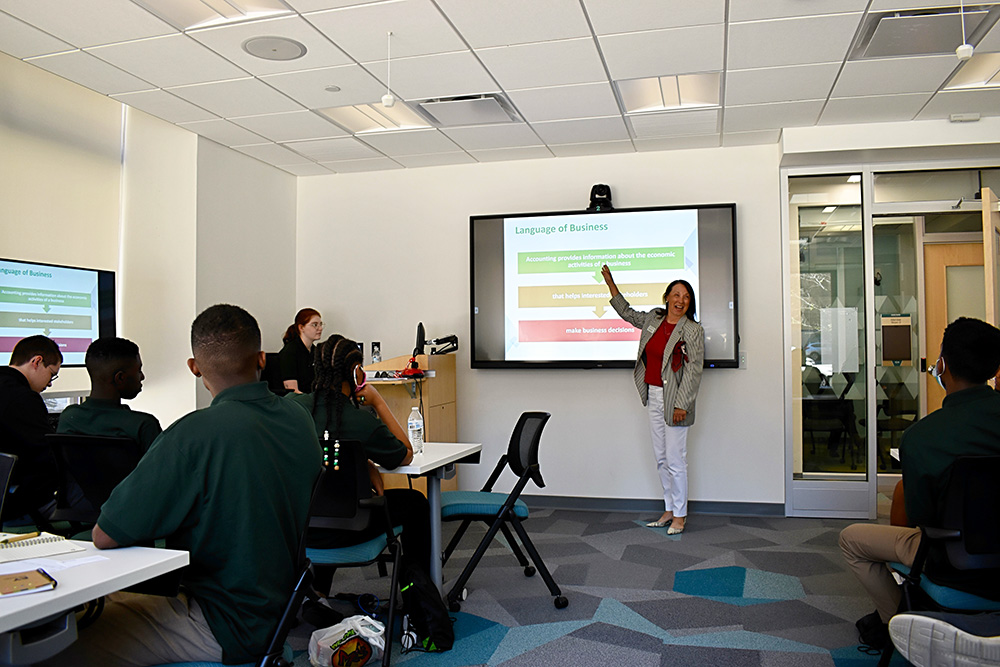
438,409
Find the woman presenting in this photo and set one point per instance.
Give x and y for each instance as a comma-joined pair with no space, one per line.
667,374
296,357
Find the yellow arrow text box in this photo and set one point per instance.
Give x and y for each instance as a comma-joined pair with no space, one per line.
555,296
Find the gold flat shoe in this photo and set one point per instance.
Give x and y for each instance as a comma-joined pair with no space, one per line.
676,531
658,524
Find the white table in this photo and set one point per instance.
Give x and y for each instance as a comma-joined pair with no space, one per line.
436,463
79,584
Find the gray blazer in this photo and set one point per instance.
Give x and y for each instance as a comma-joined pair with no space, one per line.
680,389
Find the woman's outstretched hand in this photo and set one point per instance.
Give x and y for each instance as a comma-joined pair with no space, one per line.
606,273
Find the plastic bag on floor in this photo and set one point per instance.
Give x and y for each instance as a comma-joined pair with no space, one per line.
355,641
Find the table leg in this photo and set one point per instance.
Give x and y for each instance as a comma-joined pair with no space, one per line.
437,553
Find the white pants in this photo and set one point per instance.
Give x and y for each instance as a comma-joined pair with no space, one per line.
670,450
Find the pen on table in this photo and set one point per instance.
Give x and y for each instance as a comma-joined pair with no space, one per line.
18,538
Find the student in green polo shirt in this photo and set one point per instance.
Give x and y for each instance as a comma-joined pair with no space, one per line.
231,484
115,370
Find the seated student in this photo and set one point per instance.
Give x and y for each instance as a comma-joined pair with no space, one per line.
968,424
115,370
296,356
34,365
231,484
339,389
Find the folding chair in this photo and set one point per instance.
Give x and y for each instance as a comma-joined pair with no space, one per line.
968,540
344,501
502,511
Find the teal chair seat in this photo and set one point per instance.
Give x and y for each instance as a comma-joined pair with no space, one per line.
363,553
950,597
477,503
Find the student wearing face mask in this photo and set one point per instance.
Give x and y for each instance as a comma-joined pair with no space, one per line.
967,424
667,375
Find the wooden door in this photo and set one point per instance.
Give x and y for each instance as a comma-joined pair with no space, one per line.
952,263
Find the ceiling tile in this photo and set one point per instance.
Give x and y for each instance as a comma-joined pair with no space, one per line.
815,39
164,105
292,126
223,132
753,10
87,23
372,164
674,123
228,41
503,154
270,153
991,42
316,5
611,16
23,41
308,88
586,130
175,60
417,29
493,136
347,148
943,104
86,70
751,138
410,142
239,97
491,23
599,148
435,160
566,61
305,169
659,52
887,76
677,143
780,84
586,100
771,116
892,5
442,75
873,109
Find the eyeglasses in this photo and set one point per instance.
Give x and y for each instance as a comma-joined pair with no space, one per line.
315,325
54,376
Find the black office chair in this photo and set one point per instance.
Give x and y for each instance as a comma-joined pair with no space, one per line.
502,510
967,541
7,462
272,374
97,464
344,501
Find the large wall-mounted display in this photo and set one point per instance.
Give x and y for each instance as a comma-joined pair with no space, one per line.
70,305
539,301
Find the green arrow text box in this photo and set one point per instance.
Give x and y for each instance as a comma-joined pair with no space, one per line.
587,261
43,297
50,320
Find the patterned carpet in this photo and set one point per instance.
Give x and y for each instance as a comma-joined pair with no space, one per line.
738,591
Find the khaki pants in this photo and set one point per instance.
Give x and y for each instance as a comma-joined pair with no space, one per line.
867,548
143,630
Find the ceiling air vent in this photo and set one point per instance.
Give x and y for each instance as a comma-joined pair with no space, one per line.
921,32
470,110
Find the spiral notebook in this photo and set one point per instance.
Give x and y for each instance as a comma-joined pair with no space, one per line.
43,546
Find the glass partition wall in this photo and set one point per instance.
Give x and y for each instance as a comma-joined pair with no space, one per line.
856,328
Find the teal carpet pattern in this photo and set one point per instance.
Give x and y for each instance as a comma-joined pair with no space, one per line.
729,591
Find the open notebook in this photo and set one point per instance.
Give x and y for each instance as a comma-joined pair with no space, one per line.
43,546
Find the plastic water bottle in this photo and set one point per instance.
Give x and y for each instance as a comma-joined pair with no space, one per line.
415,426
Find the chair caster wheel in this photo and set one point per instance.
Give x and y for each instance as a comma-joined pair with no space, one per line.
560,602
454,605
529,571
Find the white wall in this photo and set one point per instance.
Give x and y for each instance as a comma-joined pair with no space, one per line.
246,240
378,252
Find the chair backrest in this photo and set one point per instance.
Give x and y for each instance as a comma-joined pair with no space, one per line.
342,484
96,463
272,374
522,452
7,462
971,505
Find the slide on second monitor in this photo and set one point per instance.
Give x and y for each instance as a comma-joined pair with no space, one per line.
555,300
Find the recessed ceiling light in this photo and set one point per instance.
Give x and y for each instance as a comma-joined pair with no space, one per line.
364,118
829,209
667,93
190,14
856,178
274,48
980,71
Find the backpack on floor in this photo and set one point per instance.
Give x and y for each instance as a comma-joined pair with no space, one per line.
426,612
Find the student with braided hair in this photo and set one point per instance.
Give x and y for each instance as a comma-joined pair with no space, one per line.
339,391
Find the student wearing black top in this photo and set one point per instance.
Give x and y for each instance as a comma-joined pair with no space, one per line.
296,357
34,364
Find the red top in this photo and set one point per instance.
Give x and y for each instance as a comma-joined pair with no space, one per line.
654,353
